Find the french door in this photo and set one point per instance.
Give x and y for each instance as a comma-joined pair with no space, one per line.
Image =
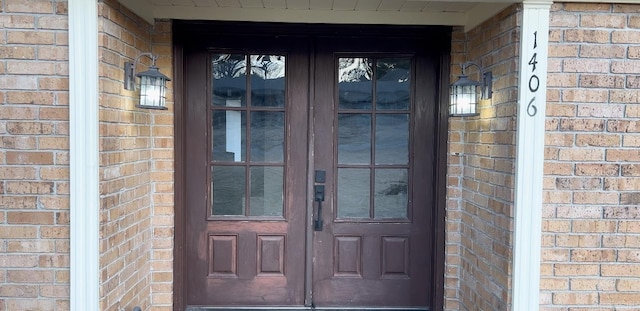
309,172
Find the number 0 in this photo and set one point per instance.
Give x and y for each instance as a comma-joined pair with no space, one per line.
537,83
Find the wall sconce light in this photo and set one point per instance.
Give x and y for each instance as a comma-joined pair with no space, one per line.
464,92
153,84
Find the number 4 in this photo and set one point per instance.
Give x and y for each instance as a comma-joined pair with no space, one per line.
533,62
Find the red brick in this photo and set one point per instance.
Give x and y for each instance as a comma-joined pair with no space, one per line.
602,81
596,198
576,269
587,7
17,172
598,140
586,65
581,155
628,285
35,218
585,96
578,183
29,128
591,284
583,255
22,291
23,157
625,66
31,6
625,155
587,36
622,184
632,198
18,232
602,21
17,52
597,169
570,298
26,187
620,299
630,96
625,37
563,20
593,226
30,37
579,212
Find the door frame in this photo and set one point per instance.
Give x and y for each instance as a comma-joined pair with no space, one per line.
189,33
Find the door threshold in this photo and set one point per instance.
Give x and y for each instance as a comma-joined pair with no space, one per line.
302,308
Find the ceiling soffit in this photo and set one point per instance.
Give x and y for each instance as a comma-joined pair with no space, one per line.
467,13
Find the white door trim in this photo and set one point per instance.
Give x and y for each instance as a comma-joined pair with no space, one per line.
532,86
83,149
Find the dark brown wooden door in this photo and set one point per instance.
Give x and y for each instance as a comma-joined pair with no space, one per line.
374,108
264,115
246,172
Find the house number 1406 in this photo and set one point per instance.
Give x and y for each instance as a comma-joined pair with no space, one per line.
534,81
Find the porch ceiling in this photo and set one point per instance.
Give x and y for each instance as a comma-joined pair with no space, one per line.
468,13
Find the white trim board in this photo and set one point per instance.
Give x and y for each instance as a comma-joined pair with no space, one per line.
532,87
83,149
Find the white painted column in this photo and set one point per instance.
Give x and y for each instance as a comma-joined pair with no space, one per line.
532,86
83,149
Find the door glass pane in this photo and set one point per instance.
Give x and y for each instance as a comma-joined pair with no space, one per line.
391,193
393,83
229,136
267,137
392,139
266,191
354,138
228,190
267,80
354,192
229,80
355,89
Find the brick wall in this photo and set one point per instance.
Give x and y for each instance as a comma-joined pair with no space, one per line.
162,179
136,167
34,156
591,225
481,171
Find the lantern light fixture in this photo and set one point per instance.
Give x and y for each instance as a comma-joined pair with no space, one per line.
464,92
153,84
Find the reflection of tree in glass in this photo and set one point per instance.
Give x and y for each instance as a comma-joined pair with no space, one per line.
354,69
228,65
393,69
395,189
268,66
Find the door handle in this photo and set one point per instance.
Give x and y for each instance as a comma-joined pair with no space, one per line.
318,196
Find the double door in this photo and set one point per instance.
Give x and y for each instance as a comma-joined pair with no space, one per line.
310,172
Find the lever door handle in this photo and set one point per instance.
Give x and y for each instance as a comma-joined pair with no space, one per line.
318,196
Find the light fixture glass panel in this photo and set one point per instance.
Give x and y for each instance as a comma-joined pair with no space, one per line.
152,92
229,79
464,97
